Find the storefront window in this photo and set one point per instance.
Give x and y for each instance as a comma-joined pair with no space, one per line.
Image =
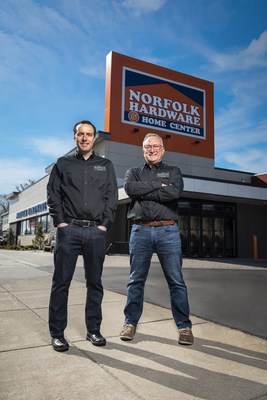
183,225
28,227
195,236
207,236
207,229
218,237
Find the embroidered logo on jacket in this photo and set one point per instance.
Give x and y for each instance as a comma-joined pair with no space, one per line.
163,175
99,168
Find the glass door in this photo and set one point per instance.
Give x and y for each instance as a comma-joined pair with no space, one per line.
194,248
207,230
218,237
184,233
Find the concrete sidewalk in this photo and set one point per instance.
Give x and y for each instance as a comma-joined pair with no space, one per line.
223,364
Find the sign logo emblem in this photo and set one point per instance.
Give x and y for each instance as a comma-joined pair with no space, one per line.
133,116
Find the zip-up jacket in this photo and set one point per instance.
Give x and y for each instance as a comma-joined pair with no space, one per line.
150,200
82,189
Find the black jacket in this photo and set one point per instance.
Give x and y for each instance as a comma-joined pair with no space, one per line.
82,189
150,200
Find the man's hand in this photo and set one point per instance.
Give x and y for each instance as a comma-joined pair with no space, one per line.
102,228
61,225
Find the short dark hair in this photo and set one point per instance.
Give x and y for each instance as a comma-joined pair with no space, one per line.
84,122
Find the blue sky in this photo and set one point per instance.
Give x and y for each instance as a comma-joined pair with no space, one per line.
52,71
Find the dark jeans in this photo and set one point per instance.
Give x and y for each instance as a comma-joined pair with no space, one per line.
166,242
71,241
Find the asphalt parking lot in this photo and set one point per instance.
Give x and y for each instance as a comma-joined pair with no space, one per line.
222,292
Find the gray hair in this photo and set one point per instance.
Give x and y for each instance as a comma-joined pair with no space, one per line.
148,135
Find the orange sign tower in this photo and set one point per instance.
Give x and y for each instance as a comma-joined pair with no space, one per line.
143,97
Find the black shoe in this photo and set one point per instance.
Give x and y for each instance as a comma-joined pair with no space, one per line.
96,338
60,344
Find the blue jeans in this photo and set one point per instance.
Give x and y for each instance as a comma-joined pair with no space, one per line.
165,241
71,241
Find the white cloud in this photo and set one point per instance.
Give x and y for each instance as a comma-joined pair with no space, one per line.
96,71
240,126
241,145
253,56
138,7
18,172
46,151
52,147
251,160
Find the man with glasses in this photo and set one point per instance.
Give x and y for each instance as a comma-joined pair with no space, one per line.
82,199
154,190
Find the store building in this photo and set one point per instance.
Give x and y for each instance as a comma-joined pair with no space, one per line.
222,213
27,209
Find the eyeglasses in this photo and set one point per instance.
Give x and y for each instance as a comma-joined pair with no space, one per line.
153,146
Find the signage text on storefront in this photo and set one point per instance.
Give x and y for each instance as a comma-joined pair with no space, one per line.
32,210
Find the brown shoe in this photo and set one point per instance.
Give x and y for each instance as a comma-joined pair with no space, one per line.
186,336
128,332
